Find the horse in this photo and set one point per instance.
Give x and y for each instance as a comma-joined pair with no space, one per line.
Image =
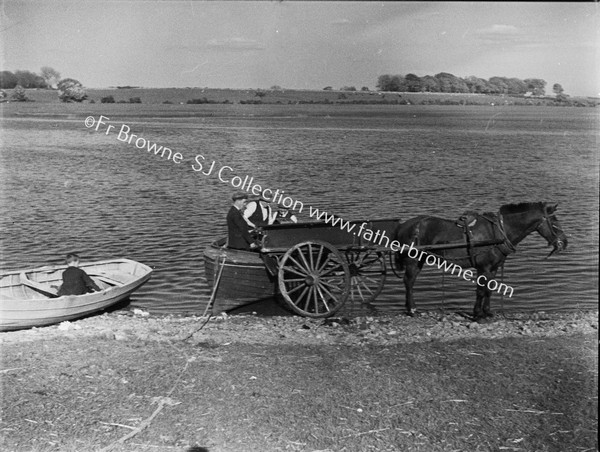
481,241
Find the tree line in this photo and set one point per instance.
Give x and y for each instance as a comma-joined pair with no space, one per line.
449,83
47,78
69,90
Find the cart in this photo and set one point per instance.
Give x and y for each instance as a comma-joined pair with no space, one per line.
318,267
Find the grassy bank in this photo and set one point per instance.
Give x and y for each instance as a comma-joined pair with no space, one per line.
76,391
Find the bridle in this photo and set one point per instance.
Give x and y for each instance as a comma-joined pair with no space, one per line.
556,240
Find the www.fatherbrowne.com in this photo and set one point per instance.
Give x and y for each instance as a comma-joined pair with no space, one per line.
413,252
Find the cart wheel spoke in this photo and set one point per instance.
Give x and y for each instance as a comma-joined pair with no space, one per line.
337,268
332,284
326,295
368,273
308,266
295,289
314,279
295,270
305,295
300,266
312,303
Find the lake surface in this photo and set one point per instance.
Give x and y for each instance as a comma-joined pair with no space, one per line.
68,188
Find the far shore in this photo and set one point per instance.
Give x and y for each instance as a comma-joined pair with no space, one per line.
256,97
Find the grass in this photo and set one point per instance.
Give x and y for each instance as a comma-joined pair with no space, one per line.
178,96
470,395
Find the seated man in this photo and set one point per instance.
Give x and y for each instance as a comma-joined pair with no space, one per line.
75,280
258,212
285,215
239,235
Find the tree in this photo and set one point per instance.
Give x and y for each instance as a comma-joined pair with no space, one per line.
560,92
383,82
430,84
28,79
50,75
19,95
536,86
450,83
365,88
478,85
71,90
516,86
499,85
8,80
413,83
391,83
557,89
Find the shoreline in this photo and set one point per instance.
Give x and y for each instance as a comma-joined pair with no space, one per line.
141,383
138,325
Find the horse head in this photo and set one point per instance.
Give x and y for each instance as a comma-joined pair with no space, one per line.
550,229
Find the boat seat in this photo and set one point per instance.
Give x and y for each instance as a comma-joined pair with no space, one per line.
107,278
47,290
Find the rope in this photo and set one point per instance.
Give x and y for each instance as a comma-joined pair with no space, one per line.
216,284
212,296
443,294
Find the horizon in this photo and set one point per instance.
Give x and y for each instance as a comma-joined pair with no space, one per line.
301,45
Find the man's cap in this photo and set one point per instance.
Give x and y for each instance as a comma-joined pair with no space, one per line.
239,195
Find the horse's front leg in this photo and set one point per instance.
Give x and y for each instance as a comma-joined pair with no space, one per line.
487,310
482,308
413,267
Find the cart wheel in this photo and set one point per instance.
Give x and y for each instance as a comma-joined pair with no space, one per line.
314,279
367,274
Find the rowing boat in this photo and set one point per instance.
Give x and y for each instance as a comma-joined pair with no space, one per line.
28,298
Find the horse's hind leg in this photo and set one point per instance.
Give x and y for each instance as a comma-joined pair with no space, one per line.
410,276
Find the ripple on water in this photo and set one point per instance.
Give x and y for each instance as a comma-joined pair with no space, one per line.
65,188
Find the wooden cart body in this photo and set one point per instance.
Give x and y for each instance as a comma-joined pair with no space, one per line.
314,266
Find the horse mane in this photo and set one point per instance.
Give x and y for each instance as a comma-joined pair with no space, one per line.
508,209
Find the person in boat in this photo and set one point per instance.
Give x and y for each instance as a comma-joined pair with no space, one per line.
258,212
285,215
75,280
239,234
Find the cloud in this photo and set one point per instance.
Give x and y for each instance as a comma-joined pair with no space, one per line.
502,34
235,44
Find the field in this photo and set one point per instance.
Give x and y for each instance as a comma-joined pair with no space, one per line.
259,96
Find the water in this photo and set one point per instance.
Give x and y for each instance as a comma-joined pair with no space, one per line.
68,188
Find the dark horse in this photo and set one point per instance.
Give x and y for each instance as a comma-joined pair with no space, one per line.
482,241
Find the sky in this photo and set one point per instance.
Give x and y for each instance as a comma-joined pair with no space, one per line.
300,45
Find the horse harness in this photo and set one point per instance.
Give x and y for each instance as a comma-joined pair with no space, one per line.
469,219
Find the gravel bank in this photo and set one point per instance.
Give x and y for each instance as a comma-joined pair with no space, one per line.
137,325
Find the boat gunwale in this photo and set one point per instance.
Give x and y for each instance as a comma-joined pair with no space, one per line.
14,311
